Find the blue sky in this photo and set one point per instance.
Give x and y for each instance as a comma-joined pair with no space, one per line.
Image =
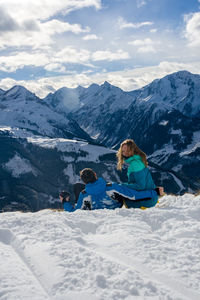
45,45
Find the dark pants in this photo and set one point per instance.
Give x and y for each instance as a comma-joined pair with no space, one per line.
77,189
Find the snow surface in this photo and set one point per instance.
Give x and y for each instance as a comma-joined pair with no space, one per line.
194,145
103,254
18,166
162,155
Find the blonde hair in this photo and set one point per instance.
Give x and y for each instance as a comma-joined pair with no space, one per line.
134,149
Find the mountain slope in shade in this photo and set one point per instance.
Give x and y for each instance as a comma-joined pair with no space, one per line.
33,169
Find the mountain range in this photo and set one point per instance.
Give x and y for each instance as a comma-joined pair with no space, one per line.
163,118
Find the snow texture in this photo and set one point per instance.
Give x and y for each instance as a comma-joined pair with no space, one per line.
195,144
18,166
103,254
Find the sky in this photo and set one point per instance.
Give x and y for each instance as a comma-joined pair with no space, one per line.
46,45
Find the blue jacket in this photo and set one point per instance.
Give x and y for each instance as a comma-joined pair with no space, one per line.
139,176
99,195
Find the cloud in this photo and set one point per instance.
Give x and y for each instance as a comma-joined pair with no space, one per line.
124,24
154,30
141,3
19,60
52,60
40,34
56,26
144,46
72,55
42,10
192,30
49,59
55,67
34,23
110,56
127,80
91,37
7,23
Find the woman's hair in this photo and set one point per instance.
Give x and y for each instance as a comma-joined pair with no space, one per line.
134,150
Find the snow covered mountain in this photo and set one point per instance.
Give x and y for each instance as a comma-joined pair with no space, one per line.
110,108
22,109
64,99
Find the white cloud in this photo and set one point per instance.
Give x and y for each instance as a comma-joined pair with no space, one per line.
72,55
141,3
153,30
56,26
124,24
110,56
146,49
42,10
32,23
49,59
192,30
52,60
91,37
43,37
56,67
19,60
127,80
144,46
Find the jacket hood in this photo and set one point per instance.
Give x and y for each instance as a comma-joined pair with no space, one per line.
97,187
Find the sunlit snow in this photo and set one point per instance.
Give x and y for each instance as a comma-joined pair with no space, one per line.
103,254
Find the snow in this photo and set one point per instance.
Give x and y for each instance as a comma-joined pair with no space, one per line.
24,109
161,156
164,123
177,131
18,166
92,152
178,181
194,145
69,171
103,254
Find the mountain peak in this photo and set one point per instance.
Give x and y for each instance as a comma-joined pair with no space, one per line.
20,93
106,83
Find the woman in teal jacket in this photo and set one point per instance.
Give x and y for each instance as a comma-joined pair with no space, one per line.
139,176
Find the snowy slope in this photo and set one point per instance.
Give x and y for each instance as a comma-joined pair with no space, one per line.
103,254
21,108
112,113
178,91
64,99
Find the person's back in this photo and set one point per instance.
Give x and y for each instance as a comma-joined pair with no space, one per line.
96,194
139,176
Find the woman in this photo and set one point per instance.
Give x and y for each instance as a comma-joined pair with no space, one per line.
139,176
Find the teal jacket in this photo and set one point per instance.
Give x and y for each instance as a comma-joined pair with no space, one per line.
139,176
